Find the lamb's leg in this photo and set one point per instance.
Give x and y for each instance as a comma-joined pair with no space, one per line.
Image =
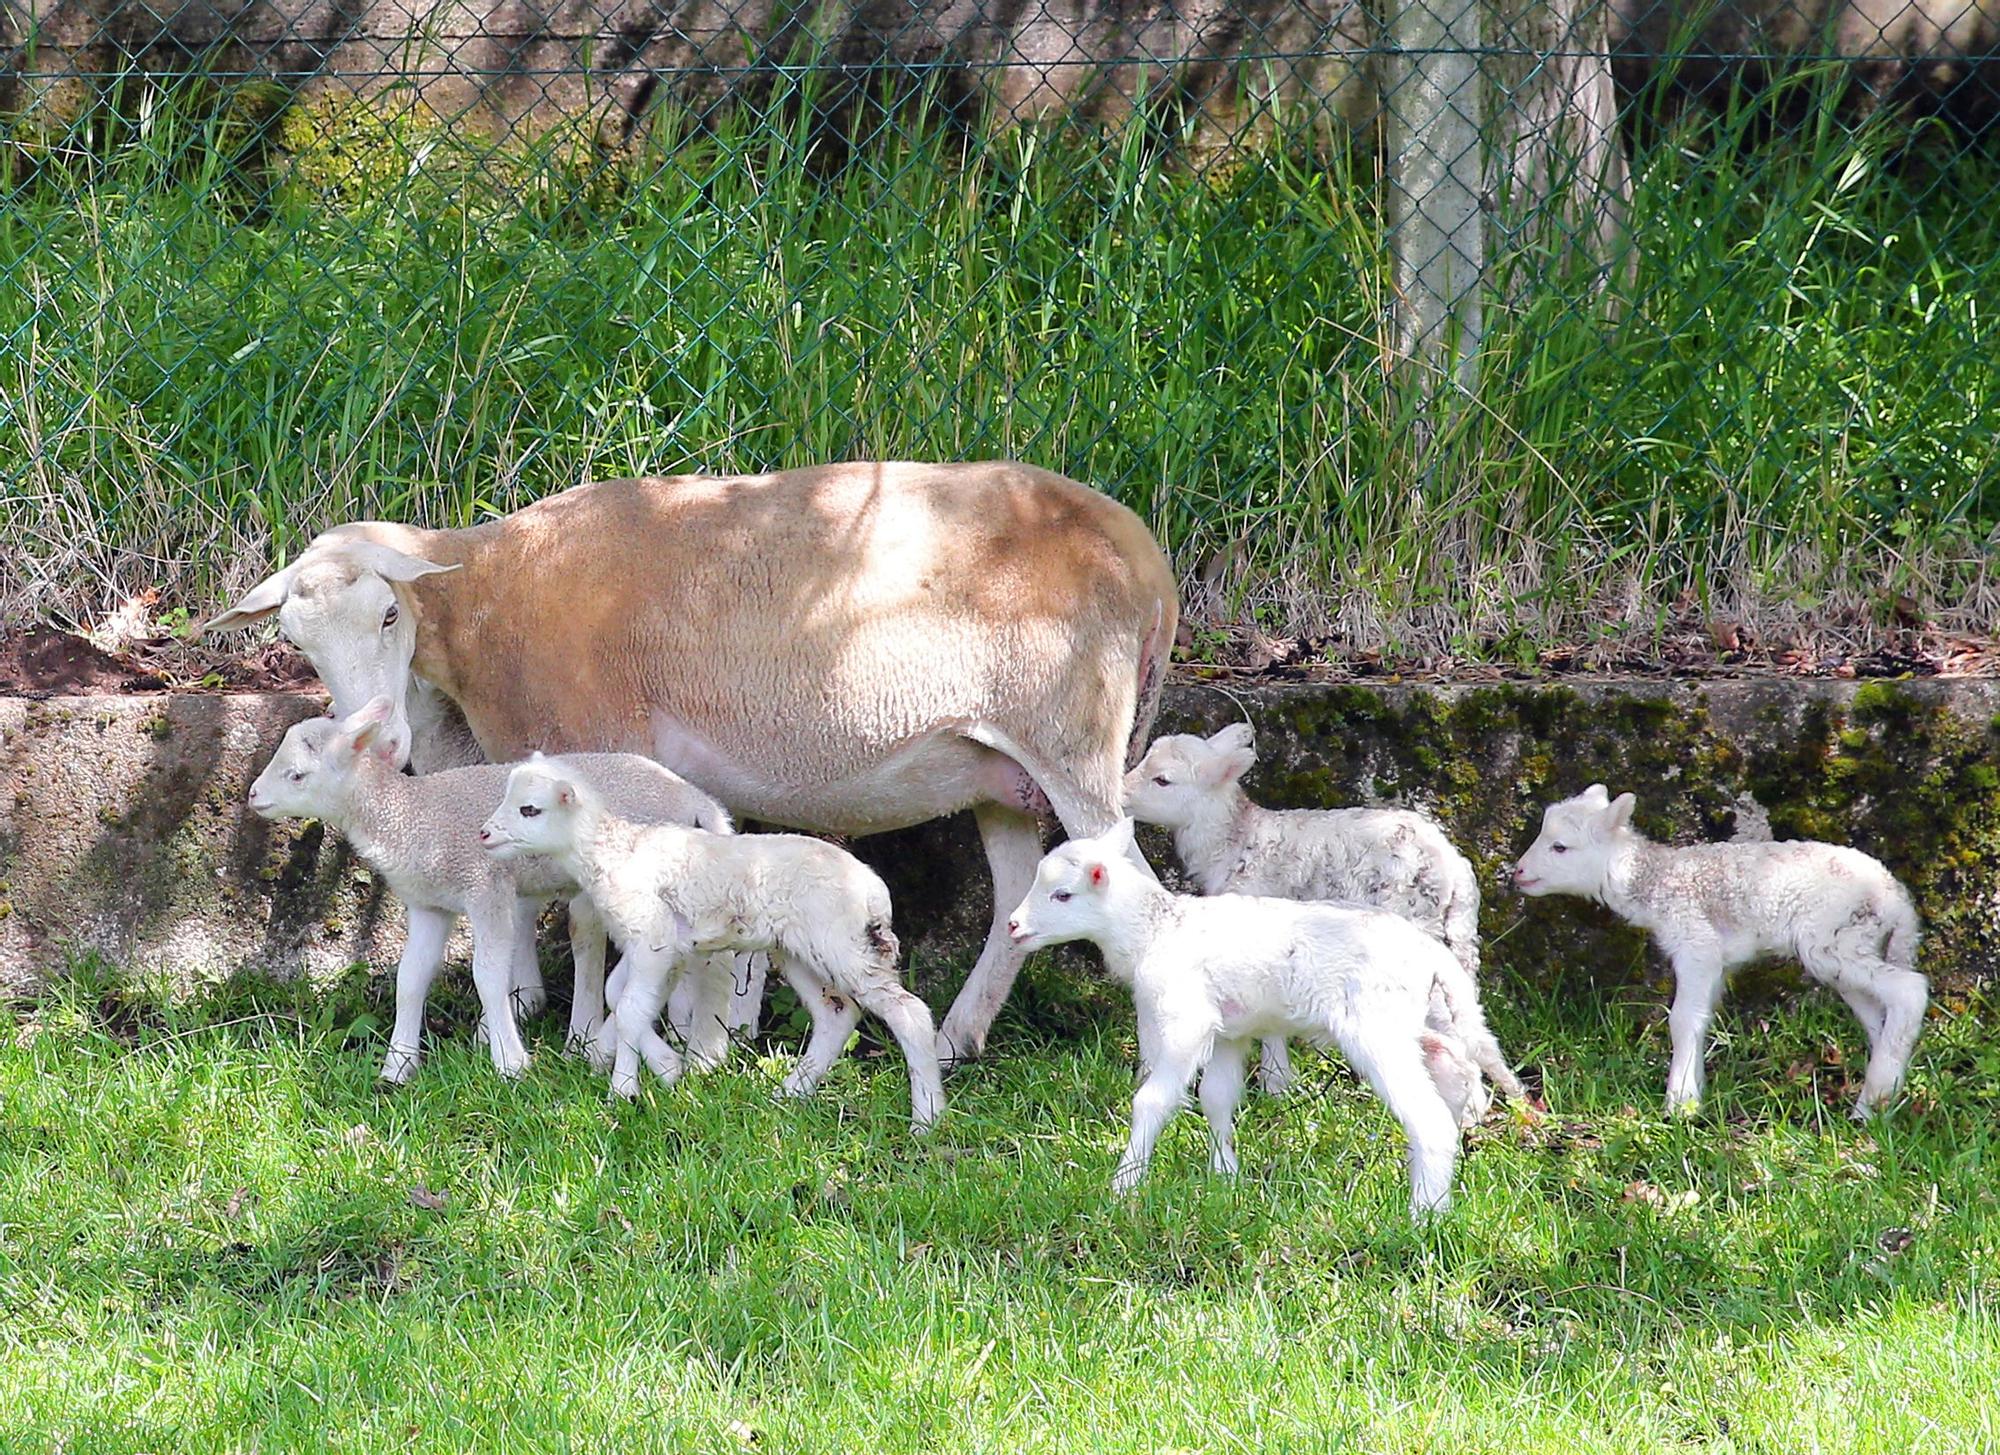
1175,1063
586,948
1904,995
648,973
834,1017
909,1021
698,1005
1393,1064
497,930
1013,844
524,979
1698,979
423,953
1221,1090
1274,1067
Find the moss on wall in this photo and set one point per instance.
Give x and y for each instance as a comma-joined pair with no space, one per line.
1907,771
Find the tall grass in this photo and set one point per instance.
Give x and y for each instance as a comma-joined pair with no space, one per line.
209,350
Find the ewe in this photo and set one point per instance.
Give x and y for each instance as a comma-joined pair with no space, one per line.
844,649
669,891
420,835
1384,858
1209,975
1711,907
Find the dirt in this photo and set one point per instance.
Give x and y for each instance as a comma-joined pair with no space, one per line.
48,662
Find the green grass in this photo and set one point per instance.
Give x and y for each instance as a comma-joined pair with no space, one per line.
209,1241
210,348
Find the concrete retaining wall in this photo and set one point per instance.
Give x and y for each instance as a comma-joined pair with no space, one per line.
123,831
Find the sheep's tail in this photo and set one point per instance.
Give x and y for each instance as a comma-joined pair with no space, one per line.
1468,1021
1906,930
1461,919
1154,653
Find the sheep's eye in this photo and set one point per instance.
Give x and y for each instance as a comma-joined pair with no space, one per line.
1558,848
389,616
297,775
1164,781
1061,896
530,810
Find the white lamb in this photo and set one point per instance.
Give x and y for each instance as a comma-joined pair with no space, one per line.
1711,907
420,833
1209,975
668,891
1385,858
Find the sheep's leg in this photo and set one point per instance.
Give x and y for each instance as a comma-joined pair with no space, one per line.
647,975
1394,1067
698,1005
746,997
1159,1096
524,978
496,937
1013,844
834,1017
1697,990
909,1021
587,1004
423,953
1221,1090
1274,1067
1903,995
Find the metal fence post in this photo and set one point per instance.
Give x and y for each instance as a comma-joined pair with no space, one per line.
1436,179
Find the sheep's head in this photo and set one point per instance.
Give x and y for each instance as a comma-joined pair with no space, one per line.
309,774
1578,835
1181,773
1069,898
537,813
344,603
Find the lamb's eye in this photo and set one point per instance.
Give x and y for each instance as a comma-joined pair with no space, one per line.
389,616
297,775
1061,896
1164,781
529,810
1558,848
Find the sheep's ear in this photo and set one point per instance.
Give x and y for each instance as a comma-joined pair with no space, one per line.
259,602
1595,794
1236,737
1620,812
389,563
1118,838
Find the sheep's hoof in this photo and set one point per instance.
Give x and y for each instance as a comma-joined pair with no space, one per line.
399,1066
511,1068
954,1050
1871,1107
1683,1106
625,1088
529,1000
1125,1181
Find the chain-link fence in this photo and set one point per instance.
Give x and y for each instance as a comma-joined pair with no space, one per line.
1442,325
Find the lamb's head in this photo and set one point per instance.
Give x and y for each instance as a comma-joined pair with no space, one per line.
1182,775
537,814
315,766
1072,893
1574,849
344,603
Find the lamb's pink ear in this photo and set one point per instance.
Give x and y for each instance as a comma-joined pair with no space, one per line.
565,792
1236,735
1118,838
1226,766
1620,812
1595,794
367,731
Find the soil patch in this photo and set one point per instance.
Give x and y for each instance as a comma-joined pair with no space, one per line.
39,662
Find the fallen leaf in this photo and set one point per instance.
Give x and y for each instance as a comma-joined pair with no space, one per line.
1896,1240
235,1205
423,1197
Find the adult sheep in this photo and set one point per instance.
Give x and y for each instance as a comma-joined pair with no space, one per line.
845,648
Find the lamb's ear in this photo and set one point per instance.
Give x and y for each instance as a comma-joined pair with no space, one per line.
1595,794
1098,873
565,792
1236,736
369,731
1118,838
259,602
1228,764
1620,812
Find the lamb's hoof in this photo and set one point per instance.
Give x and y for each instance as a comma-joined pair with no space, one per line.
1870,1107
625,1088
954,1050
511,1068
399,1066
1125,1181
529,1000
1274,1083
1683,1106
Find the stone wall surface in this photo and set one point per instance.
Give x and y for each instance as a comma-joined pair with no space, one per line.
123,831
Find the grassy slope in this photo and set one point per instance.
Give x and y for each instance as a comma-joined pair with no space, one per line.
208,1242
1784,409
